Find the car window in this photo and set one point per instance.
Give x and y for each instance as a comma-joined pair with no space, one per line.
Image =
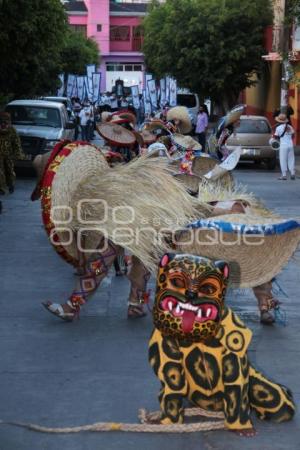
187,100
34,115
253,126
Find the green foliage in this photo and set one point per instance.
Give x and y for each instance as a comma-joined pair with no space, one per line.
213,47
36,45
77,52
31,34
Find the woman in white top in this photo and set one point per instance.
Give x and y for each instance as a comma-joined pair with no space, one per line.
285,132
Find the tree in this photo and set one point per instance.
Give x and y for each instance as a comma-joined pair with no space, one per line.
32,34
77,52
213,47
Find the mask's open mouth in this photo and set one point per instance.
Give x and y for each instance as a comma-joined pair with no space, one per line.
190,313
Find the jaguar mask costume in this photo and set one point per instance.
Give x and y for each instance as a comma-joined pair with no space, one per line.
198,348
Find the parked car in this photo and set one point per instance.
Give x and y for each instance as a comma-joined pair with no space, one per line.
40,125
66,101
252,134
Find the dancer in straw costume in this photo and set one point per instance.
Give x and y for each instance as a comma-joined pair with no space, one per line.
80,189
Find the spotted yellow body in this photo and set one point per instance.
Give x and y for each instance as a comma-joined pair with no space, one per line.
211,370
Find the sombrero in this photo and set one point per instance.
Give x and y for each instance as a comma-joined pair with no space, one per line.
234,114
139,138
203,165
282,118
256,248
148,137
106,116
191,182
115,134
155,125
185,142
131,118
227,165
69,168
180,113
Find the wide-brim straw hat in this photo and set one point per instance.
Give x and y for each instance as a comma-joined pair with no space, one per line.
106,116
191,182
234,114
256,248
139,138
155,125
148,137
181,113
116,134
69,171
185,142
281,118
130,117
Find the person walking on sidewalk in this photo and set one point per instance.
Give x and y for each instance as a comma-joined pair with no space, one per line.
285,133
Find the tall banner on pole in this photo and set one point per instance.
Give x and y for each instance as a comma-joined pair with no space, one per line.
90,70
168,89
147,102
173,92
61,89
152,93
135,96
162,84
96,86
80,88
70,84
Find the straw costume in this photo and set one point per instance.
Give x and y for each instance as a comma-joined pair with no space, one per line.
198,348
84,202
10,151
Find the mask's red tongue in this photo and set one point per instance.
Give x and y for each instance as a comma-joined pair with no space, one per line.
188,319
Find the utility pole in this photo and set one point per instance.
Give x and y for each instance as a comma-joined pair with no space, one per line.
284,50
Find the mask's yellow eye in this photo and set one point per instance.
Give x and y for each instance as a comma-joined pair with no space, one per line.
207,289
178,282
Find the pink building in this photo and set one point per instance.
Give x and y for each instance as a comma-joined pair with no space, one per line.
115,26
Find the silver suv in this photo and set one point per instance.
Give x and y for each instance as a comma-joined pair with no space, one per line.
40,125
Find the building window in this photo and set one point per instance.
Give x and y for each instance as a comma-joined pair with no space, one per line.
99,27
121,33
80,29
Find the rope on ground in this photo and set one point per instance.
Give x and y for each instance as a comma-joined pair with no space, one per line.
145,427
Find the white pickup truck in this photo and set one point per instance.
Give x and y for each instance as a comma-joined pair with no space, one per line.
40,125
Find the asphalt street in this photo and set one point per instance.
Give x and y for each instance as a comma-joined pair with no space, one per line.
95,369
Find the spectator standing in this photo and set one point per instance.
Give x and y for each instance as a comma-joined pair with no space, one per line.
201,127
285,133
124,103
114,102
85,118
76,108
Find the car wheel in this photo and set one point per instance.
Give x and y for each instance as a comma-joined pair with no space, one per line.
271,164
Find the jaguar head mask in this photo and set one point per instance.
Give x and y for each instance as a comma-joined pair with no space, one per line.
190,293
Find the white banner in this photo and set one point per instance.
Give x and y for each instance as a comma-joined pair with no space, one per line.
168,89
147,102
173,92
61,89
80,88
96,86
152,93
135,96
162,84
70,84
90,69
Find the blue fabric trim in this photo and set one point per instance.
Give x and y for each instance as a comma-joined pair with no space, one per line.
228,227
